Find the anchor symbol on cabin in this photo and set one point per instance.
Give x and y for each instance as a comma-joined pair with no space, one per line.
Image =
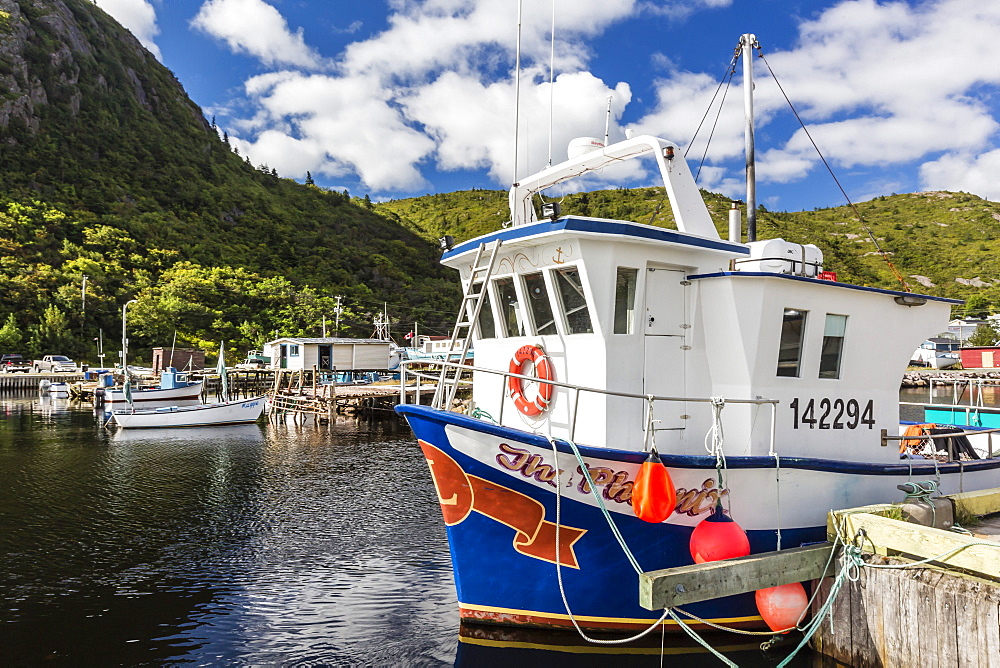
557,258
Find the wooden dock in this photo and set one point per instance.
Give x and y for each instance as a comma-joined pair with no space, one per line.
894,609
301,393
27,383
944,613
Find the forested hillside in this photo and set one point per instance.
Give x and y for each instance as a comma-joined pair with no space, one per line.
944,244
110,171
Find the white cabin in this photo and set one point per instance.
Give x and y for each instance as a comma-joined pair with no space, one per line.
329,354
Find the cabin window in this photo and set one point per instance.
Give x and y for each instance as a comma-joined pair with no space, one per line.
625,300
833,346
793,325
511,320
574,302
487,327
293,350
538,302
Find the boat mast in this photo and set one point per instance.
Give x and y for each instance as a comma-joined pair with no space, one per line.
517,89
747,42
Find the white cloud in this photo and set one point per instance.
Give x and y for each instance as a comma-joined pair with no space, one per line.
139,17
330,125
970,173
449,98
580,105
871,79
258,29
875,84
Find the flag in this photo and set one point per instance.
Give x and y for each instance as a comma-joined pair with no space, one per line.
220,368
127,390
408,336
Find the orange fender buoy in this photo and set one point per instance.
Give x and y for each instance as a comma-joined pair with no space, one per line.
653,493
718,537
782,606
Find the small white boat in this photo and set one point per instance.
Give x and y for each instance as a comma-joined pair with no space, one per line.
202,415
938,353
58,389
173,385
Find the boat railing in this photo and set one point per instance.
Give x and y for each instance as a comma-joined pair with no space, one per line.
886,437
465,370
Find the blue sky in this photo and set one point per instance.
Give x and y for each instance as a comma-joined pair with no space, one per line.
397,98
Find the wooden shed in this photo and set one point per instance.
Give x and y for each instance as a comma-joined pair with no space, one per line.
335,354
980,358
179,358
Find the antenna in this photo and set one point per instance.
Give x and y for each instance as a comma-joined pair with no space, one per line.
607,124
517,88
552,68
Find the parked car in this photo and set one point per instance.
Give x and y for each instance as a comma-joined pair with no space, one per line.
254,360
13,362
53,363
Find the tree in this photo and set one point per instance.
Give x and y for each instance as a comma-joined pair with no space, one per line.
985,335
10,335
977,306
51,334
309,179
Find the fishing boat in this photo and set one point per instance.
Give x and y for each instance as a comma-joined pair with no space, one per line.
173,385
202,415
603,347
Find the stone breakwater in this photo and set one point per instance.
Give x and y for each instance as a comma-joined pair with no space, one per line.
922,378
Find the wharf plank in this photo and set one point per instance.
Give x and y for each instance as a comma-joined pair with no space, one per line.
982,502
922,542
866,633
700,582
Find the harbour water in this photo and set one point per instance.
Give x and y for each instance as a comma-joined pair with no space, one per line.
265,545
271,544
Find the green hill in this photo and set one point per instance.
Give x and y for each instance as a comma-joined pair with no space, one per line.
110,171
944,244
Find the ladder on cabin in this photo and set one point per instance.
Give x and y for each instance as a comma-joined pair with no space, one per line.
468,316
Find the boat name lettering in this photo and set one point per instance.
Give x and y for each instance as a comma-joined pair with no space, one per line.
617,486
694,502
529,465
828,413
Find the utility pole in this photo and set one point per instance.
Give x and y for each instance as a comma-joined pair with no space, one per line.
338,311
83,305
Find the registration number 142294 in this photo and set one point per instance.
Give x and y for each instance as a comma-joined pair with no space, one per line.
831,414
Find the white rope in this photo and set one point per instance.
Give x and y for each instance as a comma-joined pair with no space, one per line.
562,588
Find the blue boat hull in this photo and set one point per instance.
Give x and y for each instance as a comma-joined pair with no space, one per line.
499,506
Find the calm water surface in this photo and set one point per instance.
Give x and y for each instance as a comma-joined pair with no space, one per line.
271,544
258,544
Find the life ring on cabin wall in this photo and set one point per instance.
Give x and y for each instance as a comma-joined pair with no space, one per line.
543,371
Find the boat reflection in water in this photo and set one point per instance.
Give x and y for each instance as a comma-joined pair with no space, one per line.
237,433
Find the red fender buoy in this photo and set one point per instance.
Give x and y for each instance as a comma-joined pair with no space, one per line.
653,493
782,606
718,537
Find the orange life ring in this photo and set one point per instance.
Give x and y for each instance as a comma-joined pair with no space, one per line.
543,370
